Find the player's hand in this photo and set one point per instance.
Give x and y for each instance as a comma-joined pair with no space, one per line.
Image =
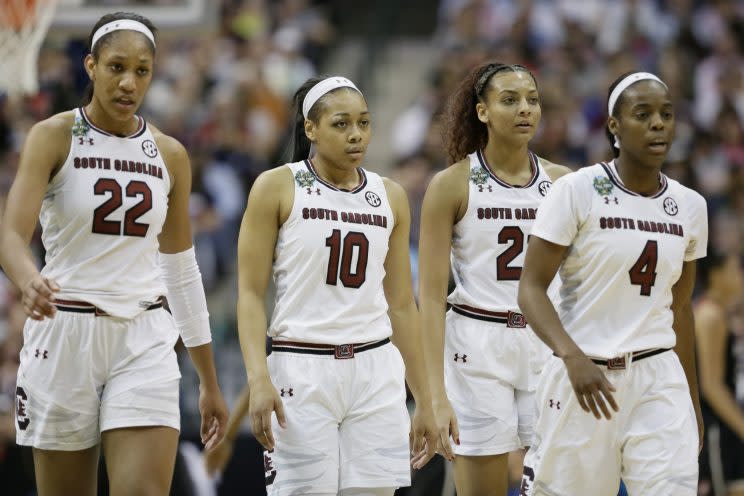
424,436
265,400
446,426
216,459
591,386
214,414
38,297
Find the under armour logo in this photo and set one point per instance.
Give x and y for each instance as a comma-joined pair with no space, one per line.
556,404
614,199
82,140
287,392
310,191
43,355
489,188
464,358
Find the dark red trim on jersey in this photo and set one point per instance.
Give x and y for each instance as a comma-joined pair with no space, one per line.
85,307
356,189
533,166
511,319
142,125
617,182
340,351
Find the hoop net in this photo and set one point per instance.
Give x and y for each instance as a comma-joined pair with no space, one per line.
23,26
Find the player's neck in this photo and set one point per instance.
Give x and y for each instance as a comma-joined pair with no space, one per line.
638,178
339,176
508,161
98,117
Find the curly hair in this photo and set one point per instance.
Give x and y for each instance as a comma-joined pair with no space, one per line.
464,133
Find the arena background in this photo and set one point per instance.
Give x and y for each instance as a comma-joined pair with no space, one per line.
225,73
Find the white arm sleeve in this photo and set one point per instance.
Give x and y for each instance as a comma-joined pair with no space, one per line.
186,297
698,244
562,212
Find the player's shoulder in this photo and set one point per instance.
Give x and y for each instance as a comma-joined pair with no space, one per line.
395,192
56,127
278,178
169,146
553,170
452,178
685,193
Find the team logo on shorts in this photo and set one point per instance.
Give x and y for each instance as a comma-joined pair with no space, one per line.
21,415
670,206
372,198
528,477
544,187
269,470
603,185
478,176
148,146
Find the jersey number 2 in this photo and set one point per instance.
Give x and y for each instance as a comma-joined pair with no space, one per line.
514,235
353,240
643,272
114,227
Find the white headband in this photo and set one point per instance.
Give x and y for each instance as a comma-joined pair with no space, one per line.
623,85
323,87
118,25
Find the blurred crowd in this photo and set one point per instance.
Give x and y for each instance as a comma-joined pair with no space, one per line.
225,95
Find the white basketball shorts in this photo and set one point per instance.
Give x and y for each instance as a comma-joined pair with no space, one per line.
490,373
652,442
81,374
347,422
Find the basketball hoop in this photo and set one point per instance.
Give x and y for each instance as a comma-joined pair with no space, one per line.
23,26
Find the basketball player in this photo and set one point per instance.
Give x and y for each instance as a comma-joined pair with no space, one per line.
615,399
98,365
721,363
335,238
480,212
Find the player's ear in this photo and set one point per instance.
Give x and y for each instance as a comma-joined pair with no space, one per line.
482,111
613,125
89,63
310,130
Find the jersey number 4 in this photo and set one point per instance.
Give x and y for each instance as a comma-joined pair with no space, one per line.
643,272
130,225
353,241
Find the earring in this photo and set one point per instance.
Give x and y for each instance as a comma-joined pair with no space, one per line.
617,142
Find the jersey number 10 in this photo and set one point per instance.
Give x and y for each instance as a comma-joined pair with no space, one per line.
353,240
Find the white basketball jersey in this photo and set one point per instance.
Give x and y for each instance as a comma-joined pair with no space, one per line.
101,216
329,261
625,253
490,241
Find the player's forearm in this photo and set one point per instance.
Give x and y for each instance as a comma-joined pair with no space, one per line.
544,321
432,334
252,333
16,258
203,360
407,337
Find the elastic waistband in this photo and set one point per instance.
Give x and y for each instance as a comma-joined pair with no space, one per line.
621,363
85,307
340,351
513,320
